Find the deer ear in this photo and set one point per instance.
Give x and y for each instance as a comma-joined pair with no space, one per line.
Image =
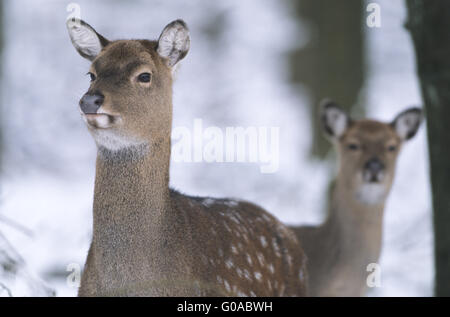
85,39
335,120
174,42
407,123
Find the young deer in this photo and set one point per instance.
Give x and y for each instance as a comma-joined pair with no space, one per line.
149,240
340,249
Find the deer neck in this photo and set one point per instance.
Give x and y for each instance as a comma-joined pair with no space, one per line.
353,228
131,191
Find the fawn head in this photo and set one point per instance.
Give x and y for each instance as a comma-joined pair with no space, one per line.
129,101
368,149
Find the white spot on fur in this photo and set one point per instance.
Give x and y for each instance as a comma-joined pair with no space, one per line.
231,203
289,259
263,241
371,193
233,218
227,285
234,249
247,275
229,263
239,272
271,268
207,202
301,275
258,276
261,258
276,247
282,288
114,141
227,227
249,259
241,294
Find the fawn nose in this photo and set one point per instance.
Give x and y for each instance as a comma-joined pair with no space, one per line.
90,104
373,170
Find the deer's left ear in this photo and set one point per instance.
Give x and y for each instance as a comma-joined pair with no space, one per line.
335,121
174,42
407,123
85,39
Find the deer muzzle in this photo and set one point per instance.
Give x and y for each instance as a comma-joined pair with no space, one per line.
373,170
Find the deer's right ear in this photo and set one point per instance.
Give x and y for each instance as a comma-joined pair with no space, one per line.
174,42
407,123
85,39
334,119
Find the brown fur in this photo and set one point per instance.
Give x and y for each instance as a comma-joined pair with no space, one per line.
340,249
149,240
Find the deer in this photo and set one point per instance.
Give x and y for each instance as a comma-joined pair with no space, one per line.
147,238
341,248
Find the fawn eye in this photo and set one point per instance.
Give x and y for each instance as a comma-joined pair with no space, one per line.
392,148
93,77
144,77
353,147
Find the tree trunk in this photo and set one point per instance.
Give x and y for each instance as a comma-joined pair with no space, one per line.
429,25
332,64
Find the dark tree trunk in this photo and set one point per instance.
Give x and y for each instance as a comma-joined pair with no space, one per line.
332,64
429,25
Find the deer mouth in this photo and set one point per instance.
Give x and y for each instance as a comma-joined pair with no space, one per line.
373,177
100,120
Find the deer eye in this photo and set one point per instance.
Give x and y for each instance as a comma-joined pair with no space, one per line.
392,148
144,77
93,77
353,147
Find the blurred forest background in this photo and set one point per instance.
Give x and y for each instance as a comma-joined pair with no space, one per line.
251,63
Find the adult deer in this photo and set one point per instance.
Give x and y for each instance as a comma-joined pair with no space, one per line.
147,238
340,250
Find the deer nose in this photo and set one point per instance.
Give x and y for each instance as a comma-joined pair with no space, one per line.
374,165
373,169
90,104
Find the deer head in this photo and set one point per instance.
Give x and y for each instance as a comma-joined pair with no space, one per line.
368,149
129,101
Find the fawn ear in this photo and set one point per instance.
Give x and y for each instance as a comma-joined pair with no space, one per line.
174,42
407,123
85,39
335,120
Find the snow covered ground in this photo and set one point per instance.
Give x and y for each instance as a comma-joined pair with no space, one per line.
235,77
